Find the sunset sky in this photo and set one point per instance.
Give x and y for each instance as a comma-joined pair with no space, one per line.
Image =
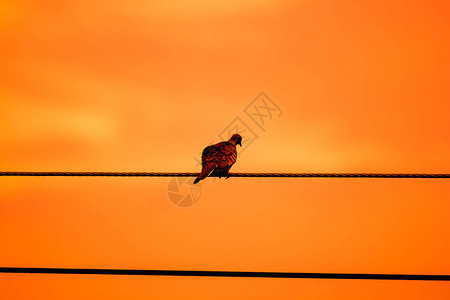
358,86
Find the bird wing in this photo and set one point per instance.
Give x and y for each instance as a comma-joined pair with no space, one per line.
227,156
209,162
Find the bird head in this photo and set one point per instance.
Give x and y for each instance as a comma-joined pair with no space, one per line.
236,139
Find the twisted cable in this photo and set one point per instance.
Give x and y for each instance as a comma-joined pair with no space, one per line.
191,174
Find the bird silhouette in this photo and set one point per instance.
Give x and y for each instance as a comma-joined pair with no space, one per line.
217,159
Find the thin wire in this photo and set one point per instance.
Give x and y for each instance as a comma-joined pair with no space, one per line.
226,274
191,174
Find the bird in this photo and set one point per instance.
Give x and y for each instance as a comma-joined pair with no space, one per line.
217,159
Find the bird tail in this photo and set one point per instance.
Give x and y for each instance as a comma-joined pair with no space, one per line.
206,170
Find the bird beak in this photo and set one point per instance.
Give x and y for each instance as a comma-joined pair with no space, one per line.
239,144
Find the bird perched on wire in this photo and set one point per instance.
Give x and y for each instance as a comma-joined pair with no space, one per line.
217,159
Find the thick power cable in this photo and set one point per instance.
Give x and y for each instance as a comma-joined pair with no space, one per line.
227,274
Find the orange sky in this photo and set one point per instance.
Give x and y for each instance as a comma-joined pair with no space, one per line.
146,85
